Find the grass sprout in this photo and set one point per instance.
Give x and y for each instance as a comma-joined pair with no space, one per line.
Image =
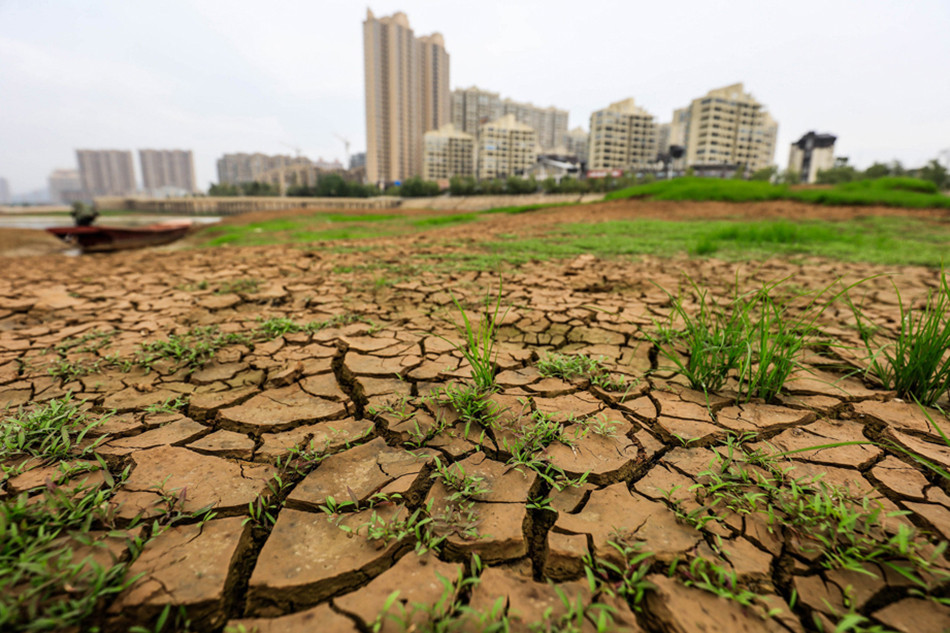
479,347
917,364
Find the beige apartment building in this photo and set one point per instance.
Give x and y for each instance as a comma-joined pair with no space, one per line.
727,126
448,152
506,147
810,154
234,169
167,169
622,136
472,107
407,94
106,172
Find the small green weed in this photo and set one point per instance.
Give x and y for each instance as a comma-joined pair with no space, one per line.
479,346
240,286
462,485
581,366
169,405
192,349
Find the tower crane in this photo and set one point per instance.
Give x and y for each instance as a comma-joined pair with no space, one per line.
295,148
346,146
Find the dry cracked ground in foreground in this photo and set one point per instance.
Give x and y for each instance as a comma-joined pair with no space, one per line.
342,462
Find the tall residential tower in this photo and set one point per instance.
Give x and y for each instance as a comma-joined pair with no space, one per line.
407,94
167,169
622,136
727,126
106,172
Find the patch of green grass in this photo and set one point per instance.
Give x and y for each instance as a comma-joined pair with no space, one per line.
896,192
242,286
445,220
192,349
917,364
830,525
714,338
44,584
878,240
756,337
581,366
54,430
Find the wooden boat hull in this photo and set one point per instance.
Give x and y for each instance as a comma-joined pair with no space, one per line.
92,239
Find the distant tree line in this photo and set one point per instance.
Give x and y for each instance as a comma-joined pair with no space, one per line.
842,172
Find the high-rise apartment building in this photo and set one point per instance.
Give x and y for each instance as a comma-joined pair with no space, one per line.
234,169
106,172
728,126
165,169
448,152
549,123
65,186
472,107
810,154
4,191
663,131
506,147
576,143
407,94
622,136
358,160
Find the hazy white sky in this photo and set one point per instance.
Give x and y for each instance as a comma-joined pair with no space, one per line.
219,76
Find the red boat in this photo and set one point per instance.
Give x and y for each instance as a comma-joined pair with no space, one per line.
93,239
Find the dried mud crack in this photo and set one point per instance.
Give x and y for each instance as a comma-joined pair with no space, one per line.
323,463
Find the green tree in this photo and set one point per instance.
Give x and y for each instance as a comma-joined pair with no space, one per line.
463,186
877,170
518,185
224,189
259,189
790,177
766,174
837,175
935,173
416,187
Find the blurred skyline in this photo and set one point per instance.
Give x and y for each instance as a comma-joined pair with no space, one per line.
219,76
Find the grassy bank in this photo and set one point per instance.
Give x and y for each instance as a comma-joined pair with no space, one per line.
878,240
893,192
316,227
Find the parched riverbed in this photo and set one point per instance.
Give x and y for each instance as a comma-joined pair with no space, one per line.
290,441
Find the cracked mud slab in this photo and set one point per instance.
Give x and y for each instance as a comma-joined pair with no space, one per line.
341,414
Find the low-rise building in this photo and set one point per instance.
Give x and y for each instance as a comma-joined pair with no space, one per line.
622,136
810,154
447,152
506,147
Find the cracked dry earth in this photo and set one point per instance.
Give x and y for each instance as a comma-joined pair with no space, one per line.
356,393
